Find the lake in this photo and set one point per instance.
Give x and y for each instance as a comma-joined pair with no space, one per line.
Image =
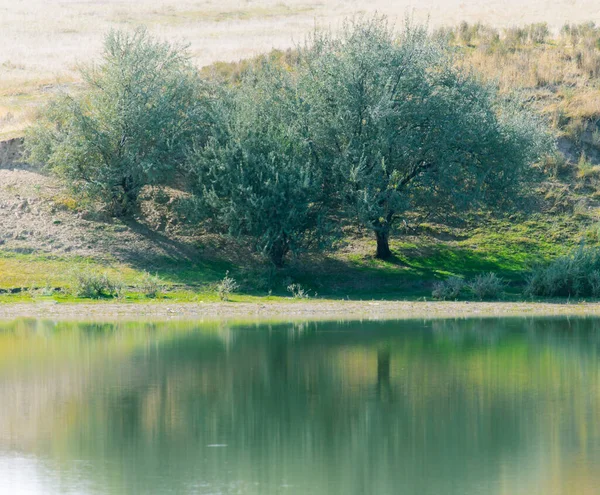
490,406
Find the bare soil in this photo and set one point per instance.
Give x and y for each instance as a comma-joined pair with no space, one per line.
38,215
293,310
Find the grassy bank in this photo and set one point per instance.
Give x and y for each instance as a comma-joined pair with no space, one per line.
351,272
49,238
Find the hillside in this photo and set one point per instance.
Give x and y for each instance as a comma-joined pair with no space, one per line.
43,41
48,236
47,239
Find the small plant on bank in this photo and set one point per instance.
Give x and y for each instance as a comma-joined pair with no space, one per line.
594,280
94,285
575,274
487,286
448,289
45,291
151,285
226,287
297,291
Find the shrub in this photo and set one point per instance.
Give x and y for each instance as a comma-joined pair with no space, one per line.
297,291
556,164
47,290
130,124
575,274
538,33
448,289
151,285
487,286
226,286
594,280
94,285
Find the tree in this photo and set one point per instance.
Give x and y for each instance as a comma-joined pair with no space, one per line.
406,130
130,124
259,176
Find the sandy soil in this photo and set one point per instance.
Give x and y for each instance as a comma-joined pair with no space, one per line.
43,41
293,310
49,36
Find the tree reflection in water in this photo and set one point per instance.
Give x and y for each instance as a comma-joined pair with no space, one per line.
447,406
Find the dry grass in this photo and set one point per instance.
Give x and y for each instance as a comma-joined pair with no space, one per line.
41,41
558,72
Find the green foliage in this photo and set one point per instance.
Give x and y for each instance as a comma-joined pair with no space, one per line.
406,130
487,286
575,274
365,123
226,287
151,285
130,124
368,124
297,291
448,289
95,285
259,177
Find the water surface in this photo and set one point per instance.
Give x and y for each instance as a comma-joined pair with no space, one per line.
411,407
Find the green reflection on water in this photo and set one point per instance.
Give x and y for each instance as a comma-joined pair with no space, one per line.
454,407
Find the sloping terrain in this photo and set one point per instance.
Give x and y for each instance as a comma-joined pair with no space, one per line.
43,41
46,235
38,216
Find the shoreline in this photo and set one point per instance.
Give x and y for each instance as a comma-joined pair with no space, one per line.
291,311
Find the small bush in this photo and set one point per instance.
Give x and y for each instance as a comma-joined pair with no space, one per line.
47,290
575,274
151,285
297,291
94,285
448,289
226,286
556,164
487,286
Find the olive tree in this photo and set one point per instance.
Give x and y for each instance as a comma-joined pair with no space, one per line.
406,130
258,177
130,123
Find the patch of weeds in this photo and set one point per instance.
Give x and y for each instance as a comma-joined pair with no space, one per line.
151,286
45,291
94,285
487,286
449,289
66,203
298,292
585,168
226,287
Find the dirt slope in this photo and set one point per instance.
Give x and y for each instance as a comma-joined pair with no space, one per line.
37,215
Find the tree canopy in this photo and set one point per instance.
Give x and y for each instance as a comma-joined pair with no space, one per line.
368,124
406,130
259,177
129,125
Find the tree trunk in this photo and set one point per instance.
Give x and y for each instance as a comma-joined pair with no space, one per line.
383,244
384,389
124,198
277,252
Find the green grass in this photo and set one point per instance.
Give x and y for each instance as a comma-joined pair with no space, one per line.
507,248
